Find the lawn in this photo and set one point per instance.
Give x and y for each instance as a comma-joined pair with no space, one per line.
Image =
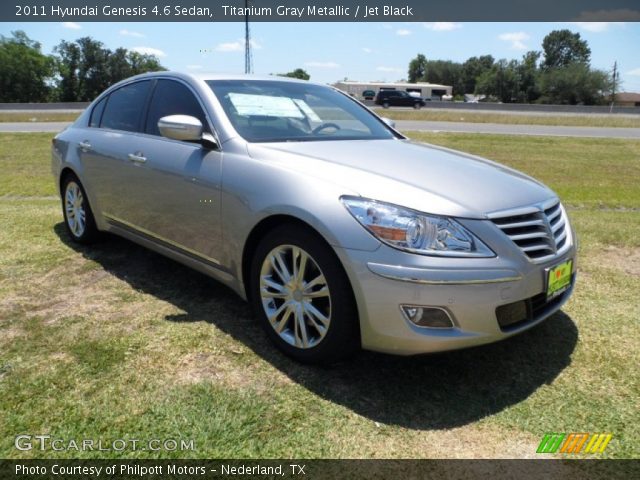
115,341
42,116
572,120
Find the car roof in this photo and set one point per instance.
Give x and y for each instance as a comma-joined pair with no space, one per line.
204,76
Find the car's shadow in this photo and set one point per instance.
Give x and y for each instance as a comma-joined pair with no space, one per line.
425,392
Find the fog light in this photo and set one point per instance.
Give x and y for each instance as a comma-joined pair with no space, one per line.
432,317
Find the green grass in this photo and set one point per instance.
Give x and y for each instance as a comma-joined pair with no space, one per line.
513,119
114,341
26,169
43,116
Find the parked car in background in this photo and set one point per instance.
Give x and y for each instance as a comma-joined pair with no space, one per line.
368,94
340,231
398,98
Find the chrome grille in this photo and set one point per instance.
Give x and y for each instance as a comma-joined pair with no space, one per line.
540,232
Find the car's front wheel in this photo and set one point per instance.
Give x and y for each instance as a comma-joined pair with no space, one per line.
302,296
78,217
417,106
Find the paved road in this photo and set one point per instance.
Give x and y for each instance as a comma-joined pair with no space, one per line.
545,130
421,126
33,126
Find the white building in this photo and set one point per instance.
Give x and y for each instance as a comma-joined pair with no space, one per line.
422,89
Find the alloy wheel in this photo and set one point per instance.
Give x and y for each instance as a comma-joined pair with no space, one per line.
295,296
74,208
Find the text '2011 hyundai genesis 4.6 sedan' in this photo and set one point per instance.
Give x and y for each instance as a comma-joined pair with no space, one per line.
339,231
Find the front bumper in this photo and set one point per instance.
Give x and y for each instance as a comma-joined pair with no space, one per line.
469,289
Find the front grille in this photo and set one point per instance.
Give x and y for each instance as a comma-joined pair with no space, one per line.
540,232
514,315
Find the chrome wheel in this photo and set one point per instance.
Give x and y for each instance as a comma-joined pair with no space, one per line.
74,208
295,296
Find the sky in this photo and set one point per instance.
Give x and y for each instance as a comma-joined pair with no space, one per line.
333,51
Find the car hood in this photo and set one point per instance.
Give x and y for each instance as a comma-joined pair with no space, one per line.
422,177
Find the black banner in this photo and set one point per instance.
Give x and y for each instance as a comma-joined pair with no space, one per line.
319,11
318,469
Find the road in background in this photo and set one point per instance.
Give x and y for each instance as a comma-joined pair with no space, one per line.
419,126
510,129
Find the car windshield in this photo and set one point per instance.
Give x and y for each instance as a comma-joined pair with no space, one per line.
276,111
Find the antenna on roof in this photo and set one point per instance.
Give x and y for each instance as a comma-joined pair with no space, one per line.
248,67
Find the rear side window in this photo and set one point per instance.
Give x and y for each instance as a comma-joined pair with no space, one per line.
124,108
96,113
172,98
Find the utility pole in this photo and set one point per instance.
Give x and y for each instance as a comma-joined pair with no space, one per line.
247,40
613,90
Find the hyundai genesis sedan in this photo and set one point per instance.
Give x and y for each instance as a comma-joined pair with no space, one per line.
340,231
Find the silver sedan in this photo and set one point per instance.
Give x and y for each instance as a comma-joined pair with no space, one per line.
339,231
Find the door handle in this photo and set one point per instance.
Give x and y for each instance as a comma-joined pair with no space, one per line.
137,157
85,145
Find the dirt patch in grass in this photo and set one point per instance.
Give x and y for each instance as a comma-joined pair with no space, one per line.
624,259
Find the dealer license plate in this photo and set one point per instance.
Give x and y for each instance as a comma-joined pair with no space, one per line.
558,279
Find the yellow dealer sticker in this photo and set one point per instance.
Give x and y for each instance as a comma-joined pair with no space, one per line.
558,279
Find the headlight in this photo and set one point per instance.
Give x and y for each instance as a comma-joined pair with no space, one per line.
414,231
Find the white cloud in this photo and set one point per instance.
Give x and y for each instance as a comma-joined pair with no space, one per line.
635,72
194,67
597,27
389,69
129,33
150,51
516,38
366,50
322,64
71,25
403,32
237,46
442,26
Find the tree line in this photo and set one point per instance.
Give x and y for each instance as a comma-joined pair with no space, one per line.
77,71
559,74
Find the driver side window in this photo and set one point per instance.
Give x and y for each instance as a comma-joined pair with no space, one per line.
173,98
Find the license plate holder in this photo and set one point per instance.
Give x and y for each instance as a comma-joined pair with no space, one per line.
558,278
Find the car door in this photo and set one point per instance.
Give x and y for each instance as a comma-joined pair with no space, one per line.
114,125
406,99
176,198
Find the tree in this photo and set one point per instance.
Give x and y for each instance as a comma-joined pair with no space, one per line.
445,72
529,77
25,72
500,82
297,73
85,68
417,69
563,48
575,84
472,69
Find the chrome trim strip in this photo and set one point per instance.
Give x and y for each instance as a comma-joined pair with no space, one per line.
443,277
123,223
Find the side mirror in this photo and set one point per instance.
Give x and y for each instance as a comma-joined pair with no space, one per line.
180,127
389,122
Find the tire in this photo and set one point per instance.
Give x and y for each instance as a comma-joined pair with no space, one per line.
78,217
385,105
417,106
317,323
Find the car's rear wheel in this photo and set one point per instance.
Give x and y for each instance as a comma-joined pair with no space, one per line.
385,104
417,106
302,296
78,217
